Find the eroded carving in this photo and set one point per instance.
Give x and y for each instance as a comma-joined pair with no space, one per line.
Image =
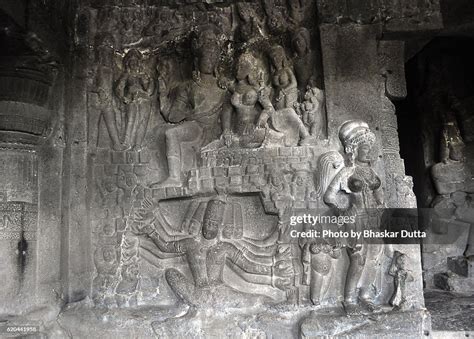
134,88
197,106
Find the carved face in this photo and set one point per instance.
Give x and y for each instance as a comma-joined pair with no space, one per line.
277,58
109,185
363,153
300,45
299,179
277,180
109,254
208,59
133,64
126,179
401,261
108,229
244,69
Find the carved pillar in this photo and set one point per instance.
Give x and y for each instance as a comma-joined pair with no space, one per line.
30,167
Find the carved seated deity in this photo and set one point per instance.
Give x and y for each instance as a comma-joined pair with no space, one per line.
196,108
251,106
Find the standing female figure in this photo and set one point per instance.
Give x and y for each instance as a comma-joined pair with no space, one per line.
135,88
356,190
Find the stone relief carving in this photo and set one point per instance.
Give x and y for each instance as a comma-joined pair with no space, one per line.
134,88
251,105
311,111
398,270
304,60
197,106
234,131
452,180
103,86
357,190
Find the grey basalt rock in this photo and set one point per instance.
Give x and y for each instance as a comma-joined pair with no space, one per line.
194,132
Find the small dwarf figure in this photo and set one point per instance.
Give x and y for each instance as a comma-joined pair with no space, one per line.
400,276
302,186
311,109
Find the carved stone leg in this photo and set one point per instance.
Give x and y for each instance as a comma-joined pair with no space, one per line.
183,288
197,265
320,277
351,292
372,266
109,119
188,132
316,287
132,112
142,124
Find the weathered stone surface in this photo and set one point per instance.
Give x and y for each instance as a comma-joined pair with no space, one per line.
461,266
172,147
451,313
385,325
450,281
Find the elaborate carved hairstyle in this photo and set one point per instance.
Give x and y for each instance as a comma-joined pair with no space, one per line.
329,165
354,133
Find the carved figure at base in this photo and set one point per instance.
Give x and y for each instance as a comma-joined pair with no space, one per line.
319,256
196,108
400,276
356,190
302,186
134,88
312,111
105,260
319,267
